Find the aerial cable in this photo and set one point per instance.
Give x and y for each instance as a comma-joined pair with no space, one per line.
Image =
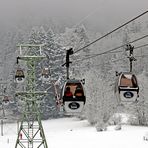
109,51
111,32
141,46
116,60
84,18
141,56
88,55
88,15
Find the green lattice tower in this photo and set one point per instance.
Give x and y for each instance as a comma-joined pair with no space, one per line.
31,133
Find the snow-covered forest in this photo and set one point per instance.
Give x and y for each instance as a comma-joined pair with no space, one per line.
101,106
107,38
99,72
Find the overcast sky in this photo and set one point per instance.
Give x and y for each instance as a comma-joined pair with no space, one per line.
97,13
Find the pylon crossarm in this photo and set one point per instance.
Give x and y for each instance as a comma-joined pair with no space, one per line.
26,58
30,48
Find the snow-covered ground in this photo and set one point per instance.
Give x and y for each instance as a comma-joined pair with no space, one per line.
75,133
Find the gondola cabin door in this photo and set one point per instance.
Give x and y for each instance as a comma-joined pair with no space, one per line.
127,87
73,96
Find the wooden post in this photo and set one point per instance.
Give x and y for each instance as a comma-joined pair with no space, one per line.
17,126
2,134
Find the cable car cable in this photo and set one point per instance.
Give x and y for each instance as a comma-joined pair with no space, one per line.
111,32
106,52
141,46
105,63
95,54
139,56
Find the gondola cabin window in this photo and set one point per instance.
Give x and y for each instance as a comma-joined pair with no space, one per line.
128,81
45,71
19,73
75,89
68,92
78,91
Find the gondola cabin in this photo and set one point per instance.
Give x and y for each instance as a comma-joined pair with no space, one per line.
6,100
45,74
73,96
19,76
127,89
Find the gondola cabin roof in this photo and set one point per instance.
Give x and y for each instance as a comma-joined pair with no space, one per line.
127,75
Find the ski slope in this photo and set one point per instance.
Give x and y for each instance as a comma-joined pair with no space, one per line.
75,133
